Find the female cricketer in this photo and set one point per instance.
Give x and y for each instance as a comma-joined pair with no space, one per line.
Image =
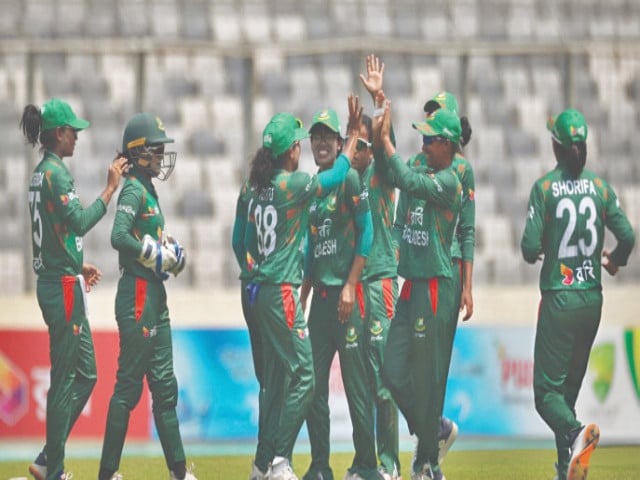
58,222
340,236
277,223
147,256
569,208
414,367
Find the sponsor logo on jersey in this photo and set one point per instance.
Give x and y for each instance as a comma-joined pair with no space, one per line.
303,333
472,194
567,273
77,329
65,199
126,209
324,230
579,274
36,179
151,212
531,212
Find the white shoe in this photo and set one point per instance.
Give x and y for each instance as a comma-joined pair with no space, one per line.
256,473
581,451
447,434
116,476
281,470
352,476
189,475
38,469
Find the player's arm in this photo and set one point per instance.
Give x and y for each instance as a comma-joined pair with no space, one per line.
398,224
65,200
122,238
239,228
466,232
618,223
307,282
531,243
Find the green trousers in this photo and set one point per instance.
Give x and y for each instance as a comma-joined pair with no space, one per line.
73,362
349,339
567,325
265,449
417,357
145,351
383,294
288,379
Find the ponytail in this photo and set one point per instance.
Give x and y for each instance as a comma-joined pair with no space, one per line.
466,131
574,155
261,169
576,158
30,124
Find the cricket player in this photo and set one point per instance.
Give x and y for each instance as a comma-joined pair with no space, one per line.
277,223
569,208
58,223
147,257
340,236
415,364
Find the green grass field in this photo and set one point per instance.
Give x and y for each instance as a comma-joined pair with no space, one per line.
607,463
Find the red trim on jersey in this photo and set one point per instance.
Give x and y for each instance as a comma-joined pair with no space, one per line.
433,293
405,294
141,296
387,295
360,298
68,282
288,304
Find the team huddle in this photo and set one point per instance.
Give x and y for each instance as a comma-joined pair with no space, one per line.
321,256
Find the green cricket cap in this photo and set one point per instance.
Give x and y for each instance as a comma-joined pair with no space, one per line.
443,123
282,130
568,127
144,129
443,100
327,117
57,113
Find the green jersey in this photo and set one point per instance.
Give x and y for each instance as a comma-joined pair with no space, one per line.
278,221
58,220
333,232
382,261
566,219
137,214
427,215
464,240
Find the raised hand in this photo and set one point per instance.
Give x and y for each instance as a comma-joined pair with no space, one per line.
375,74
353,126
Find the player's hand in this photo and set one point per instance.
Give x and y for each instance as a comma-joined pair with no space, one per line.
375,74
609,264
91,274
355,116
466,303
345,302
171,243
157,257
378,120
116,169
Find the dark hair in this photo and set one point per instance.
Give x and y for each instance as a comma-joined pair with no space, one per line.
262,166
367,122
575,155
466,131
30,124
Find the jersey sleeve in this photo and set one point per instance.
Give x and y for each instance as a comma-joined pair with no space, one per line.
531,244
66,201
437,188
618,223
466,230
239,227
122,239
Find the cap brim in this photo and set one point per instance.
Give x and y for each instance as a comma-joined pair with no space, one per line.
425,129
300,134
79,124
152,141
326,124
